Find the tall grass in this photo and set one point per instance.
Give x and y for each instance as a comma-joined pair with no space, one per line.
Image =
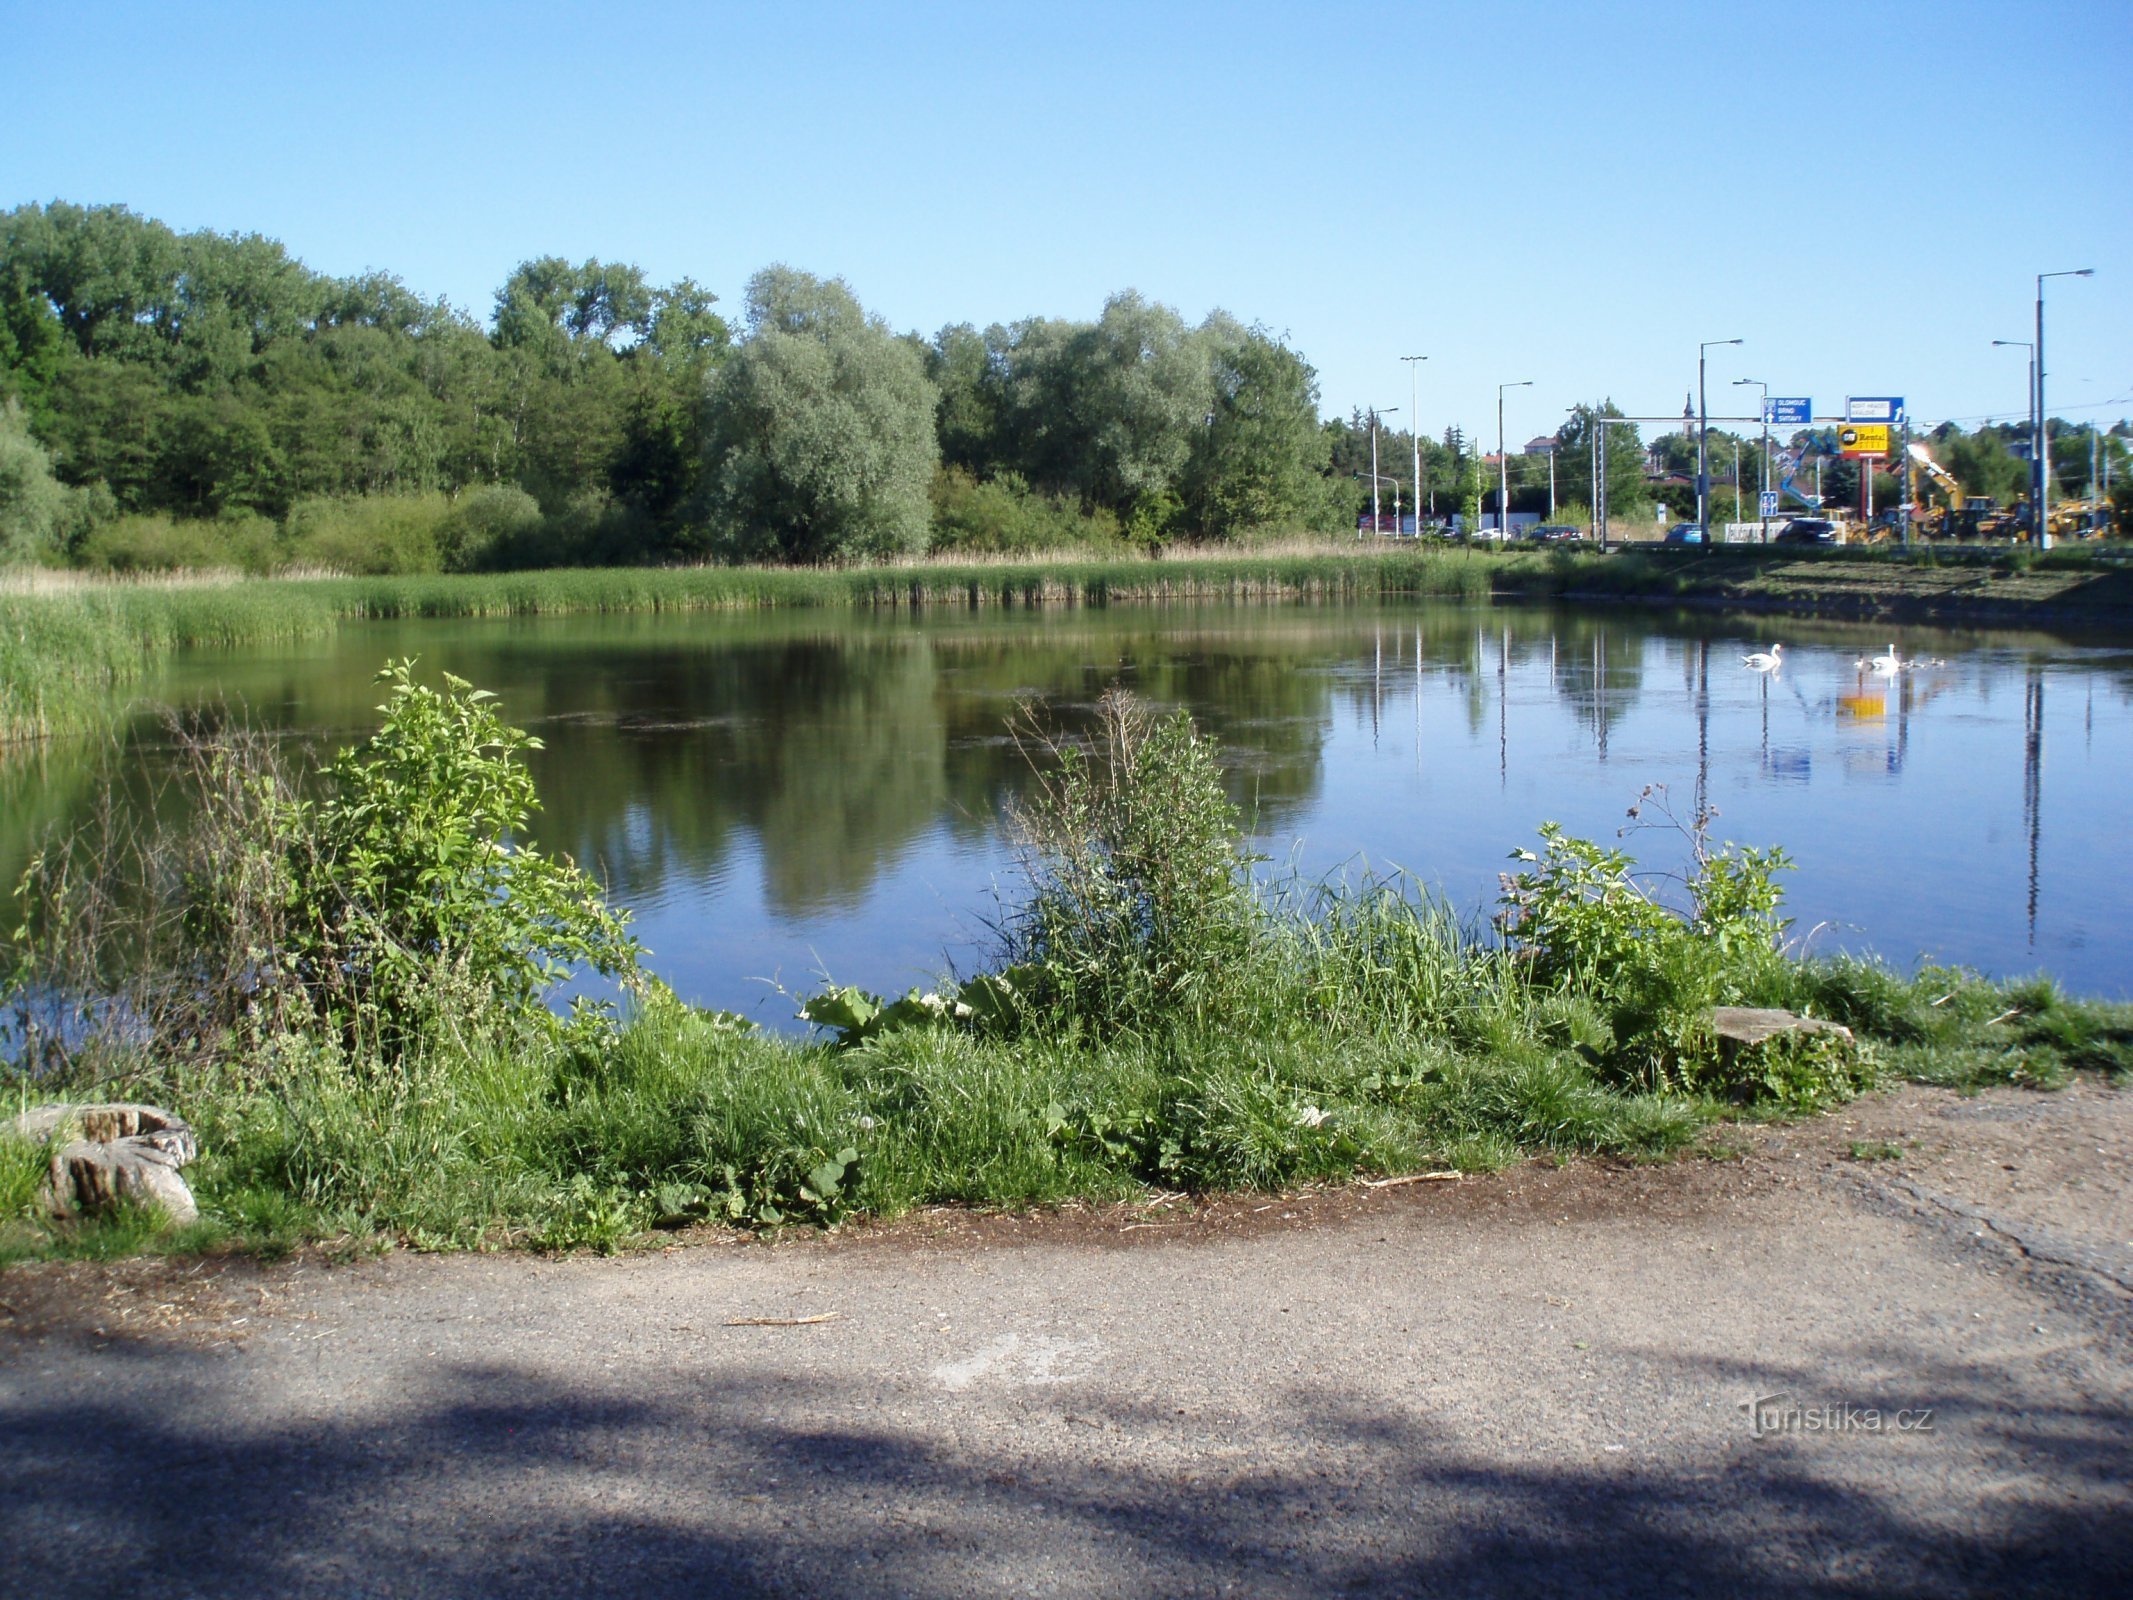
66,652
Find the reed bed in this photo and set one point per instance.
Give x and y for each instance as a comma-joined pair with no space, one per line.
70,647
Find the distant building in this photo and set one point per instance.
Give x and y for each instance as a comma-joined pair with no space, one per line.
1542,446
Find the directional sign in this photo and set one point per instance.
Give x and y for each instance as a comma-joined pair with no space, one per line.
1873,408
1770,503
1863,439
1789,413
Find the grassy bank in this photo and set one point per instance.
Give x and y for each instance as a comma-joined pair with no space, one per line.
66,653
342,995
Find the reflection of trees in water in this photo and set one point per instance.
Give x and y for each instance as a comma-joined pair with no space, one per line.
838,748
830,750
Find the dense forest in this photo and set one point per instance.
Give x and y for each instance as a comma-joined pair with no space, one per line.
205,399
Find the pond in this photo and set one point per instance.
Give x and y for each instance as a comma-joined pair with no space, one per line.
785,798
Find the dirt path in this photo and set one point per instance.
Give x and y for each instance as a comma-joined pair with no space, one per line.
1529,1384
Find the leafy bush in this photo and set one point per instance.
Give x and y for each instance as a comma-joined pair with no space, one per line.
1002,516
1140,909
1588,924
241,542
400,906
487,526
370,535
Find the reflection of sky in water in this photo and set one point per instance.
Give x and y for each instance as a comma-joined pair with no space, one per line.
784,797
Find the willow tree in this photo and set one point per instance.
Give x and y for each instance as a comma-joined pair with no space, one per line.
819,438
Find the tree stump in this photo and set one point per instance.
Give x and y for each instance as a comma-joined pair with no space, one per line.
112,1153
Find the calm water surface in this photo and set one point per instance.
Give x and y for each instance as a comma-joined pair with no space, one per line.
786,796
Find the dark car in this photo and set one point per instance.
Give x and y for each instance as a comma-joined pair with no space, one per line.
1554,533
1807,530
1685,533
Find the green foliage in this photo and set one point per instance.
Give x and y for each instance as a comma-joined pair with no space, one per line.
1589,925
22,1173
373,535
1139,907
1003,516
157,543
421,860
400,907
819,433
41,519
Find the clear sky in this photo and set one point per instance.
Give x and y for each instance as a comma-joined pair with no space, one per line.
1573,193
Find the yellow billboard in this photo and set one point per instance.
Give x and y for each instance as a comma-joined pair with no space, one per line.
1863,439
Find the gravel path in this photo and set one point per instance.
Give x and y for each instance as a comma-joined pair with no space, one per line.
1532,1384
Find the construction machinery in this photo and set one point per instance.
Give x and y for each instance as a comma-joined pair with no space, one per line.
1961,515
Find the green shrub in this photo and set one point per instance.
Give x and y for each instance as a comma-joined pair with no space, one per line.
242,542
399,909
1140,909
1003,516
370,535
1588,924
486,526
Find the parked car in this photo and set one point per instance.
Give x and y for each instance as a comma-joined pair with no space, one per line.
1685,533
1554,533
1807,530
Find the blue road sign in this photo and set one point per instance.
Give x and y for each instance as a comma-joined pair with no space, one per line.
1873,408
1789,413
1770,502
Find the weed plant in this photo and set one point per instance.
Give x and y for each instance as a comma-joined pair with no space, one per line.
344,998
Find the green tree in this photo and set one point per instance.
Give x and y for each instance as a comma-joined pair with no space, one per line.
1260,459
1627,493
35,508
819,433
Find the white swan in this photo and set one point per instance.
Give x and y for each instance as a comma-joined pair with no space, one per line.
1763,660
1889,665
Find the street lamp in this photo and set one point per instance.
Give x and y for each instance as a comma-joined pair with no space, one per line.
1374,415
1503,462
1703,442
1761,515
1414,421
2041,447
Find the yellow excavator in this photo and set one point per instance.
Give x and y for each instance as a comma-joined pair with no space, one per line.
1962,515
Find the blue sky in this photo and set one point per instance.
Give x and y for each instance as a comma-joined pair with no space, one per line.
1575,194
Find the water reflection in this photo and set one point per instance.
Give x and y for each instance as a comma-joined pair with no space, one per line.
776,793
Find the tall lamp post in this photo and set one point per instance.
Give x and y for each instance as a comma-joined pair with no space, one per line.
1764,488
2041,446
1703,441
1503,462
1374,415
1414,421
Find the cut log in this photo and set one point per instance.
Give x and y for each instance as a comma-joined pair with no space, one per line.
112,1153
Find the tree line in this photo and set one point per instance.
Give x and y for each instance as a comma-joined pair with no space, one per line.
189,399
171,397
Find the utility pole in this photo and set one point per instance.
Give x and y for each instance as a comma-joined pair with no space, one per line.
1374,415
1904,516
1503,462
2042,447
1763,390
1703,442
1414,422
